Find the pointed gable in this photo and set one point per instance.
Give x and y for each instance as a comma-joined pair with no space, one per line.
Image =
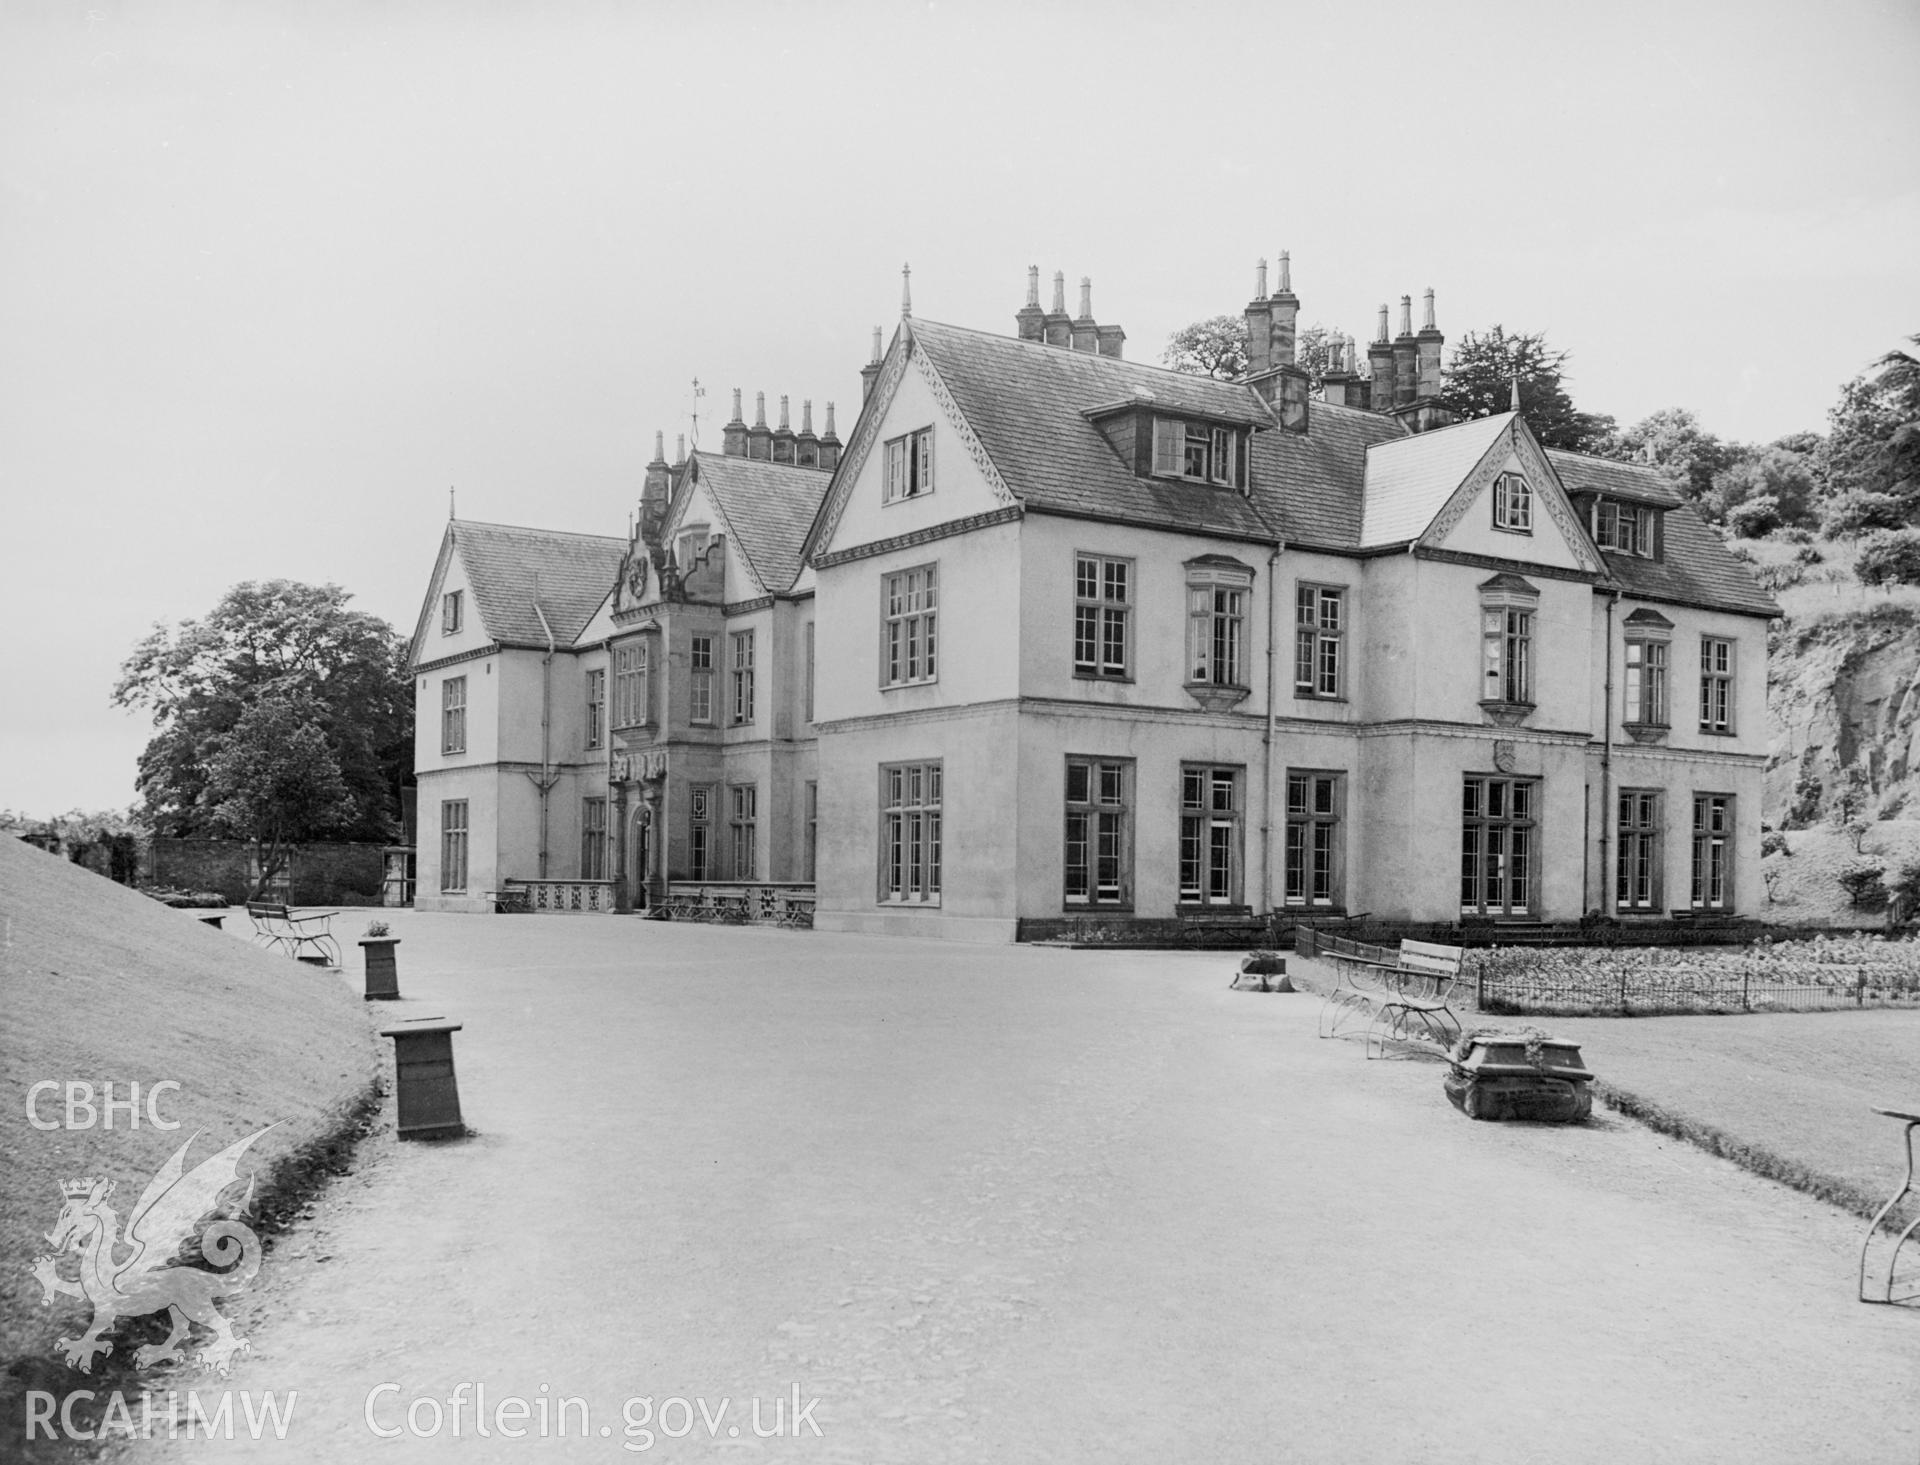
1411,479
507,568
765,509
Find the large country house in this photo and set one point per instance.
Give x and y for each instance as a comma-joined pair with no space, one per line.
1063,638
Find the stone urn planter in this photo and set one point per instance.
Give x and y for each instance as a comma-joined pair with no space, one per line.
1269,966
1518,1073
383,973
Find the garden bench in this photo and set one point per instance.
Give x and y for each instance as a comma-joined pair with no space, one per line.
278,929
1402,993
511,901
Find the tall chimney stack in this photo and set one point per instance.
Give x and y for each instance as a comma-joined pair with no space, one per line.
870,373
655,488
1430,343
783,435
1380,367
1086,330
1027,319
1406,357
1058,325
1259,317
733,437
760,436
806,447
1285,313
829,444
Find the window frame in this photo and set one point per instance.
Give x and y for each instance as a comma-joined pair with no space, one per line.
1645,681
1176,442
593,837
1513,504
907,466
1610,514
1717,684
632,684
1100,617
1201,824
1314,641
596,707
1103,814
741,702
1713,853
700,680
910,846
1518,841
453,715
452,613
700,832
453,846
1311,833
1638,832
1219,607
909,626
743,830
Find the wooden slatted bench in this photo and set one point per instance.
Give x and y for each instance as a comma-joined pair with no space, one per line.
278,929
1403,993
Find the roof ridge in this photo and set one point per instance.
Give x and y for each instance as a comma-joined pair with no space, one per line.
531,529
1122,361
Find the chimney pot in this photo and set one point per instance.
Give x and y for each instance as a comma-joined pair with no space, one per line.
783,412
806,415
680,449
1059,292
830,432
1286,273
1427,322
1406,315
736,404
906,292
876,345
1260,280
1383,324
659,446
759,409
1086,297
1033,286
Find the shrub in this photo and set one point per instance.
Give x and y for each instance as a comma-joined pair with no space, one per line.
1754,517
377,929
1890,558
1855,512
1862,883
1782,576
1801,535
1808,555
1906,883
1774,842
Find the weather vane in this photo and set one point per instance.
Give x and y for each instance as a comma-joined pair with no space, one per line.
698,392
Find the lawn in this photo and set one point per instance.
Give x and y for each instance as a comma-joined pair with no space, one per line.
1788,1095
100,984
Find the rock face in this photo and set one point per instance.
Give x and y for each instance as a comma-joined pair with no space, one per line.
1843,708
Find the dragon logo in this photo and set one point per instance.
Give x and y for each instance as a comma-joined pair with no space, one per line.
149,1280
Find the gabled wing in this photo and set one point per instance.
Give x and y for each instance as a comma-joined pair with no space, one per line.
173,1203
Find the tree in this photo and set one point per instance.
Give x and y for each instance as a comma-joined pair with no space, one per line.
1673,441
1861,880
1763,489
1216,347
1873,446
276,782
343,669
1890,558
1479,383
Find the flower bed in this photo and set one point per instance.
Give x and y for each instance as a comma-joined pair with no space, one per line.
1826,972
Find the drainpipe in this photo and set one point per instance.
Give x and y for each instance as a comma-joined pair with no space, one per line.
616,804
1606,763
546,780
1268,737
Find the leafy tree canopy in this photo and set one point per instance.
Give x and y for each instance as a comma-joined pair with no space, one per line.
275,781
1673,441
343,670
1216,347
1873,445
1479,383
1762,490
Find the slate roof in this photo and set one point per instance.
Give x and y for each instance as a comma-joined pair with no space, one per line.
768,507
508,567
1356,480
1410,480
1696,567
1026,403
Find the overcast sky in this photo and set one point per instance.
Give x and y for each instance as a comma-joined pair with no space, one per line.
272,277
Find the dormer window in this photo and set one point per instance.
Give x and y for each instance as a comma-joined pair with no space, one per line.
1512,504
1624,528
1198,451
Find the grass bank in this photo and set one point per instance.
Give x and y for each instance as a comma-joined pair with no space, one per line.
101,985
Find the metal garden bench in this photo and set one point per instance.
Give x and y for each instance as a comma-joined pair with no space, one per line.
1402,993
302,937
